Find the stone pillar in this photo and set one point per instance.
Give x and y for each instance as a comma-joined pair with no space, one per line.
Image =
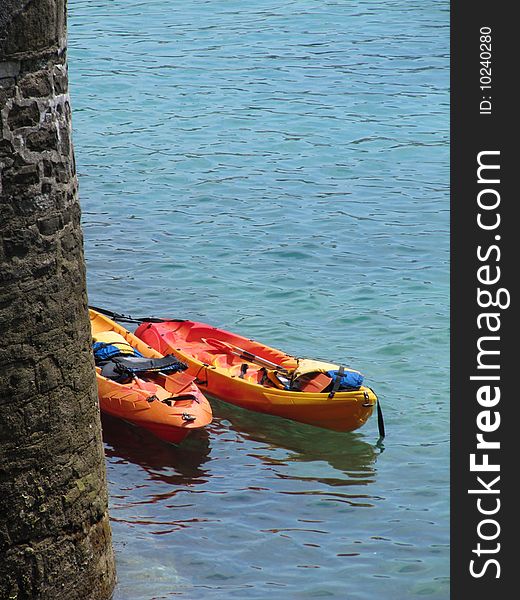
55,540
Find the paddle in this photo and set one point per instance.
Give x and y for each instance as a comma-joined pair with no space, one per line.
241,353
128,319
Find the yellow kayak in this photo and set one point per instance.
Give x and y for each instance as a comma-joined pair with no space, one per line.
141,386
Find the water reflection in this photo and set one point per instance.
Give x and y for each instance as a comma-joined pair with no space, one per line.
329,458
174,465
301,486
347,453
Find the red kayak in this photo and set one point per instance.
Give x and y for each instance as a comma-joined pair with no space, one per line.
254,376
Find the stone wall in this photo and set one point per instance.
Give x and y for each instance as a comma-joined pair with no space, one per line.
55,539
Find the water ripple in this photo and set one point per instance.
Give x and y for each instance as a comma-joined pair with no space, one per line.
281,170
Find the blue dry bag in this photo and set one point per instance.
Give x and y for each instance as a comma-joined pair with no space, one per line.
349,380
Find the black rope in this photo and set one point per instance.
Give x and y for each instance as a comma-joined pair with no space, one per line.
128,319
380,421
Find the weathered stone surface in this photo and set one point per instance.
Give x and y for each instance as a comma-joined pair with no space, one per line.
43,139
9,69
31,25
36,85
19,243
54,530
25,176
60,171
50,225
23,116
6,150
61,80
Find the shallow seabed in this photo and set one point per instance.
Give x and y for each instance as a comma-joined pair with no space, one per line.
281,170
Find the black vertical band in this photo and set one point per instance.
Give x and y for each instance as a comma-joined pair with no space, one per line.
483,325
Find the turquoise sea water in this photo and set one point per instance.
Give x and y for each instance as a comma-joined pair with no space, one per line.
281,170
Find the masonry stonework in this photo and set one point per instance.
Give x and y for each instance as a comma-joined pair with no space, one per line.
55,539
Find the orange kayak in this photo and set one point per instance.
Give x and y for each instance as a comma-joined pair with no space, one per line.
166,403
254,376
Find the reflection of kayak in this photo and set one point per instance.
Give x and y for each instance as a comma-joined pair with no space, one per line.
257,377
347,453
139,385
174,465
